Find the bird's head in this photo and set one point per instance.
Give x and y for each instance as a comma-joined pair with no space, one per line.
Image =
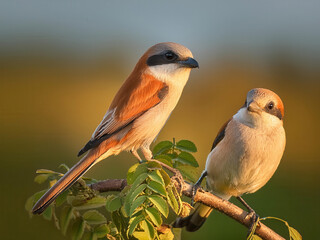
262,107
169,62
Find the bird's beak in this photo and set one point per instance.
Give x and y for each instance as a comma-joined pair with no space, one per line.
253,107
189,63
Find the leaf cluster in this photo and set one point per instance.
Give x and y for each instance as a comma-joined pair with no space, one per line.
139,211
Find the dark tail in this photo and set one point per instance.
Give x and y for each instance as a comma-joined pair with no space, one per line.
195,220
65,182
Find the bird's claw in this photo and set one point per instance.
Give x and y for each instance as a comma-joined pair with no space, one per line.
254,223
195,188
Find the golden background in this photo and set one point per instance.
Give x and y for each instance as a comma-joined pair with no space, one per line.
55,89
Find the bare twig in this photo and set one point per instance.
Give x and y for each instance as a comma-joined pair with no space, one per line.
206,198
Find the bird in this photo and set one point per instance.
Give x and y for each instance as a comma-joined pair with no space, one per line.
137,113
245,154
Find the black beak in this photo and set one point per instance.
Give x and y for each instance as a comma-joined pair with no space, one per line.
189,63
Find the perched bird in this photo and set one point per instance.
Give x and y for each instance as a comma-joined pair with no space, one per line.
245,154
137,113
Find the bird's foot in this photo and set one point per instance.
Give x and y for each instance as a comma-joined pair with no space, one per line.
254,223
197,185
195,188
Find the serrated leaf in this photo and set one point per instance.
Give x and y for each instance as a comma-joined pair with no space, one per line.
165,177
47,214
113,203
156,176
173,202
41,178
189,172
162,147
294,234
133,224
62,198
78,229
187,158
137,192
160,204
135,171
94,217
101,231
137,203
65,216
148,228
186,145
157,188
154,215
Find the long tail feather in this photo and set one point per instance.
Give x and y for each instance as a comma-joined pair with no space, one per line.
195,220
65,182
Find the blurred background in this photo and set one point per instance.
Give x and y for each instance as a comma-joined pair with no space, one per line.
61,63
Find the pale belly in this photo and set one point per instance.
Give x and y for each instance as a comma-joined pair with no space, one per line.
246,165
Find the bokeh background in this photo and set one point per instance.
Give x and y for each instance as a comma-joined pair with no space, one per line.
61,63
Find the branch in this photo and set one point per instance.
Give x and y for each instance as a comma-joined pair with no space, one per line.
206,198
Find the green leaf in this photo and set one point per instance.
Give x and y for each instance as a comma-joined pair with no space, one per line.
101,231
38,195
162,147
46,171
135,171
157,188
165,158
113,203
78,229
134,222
160,204
41,178
82,203
137,191
65,217
186,145
47,214
172,200
94,217
189,172
156,176
154,216
294,234
137,203
148,228
62,198
187,158
165,177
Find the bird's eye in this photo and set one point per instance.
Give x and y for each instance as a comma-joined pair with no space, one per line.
270,105
170,56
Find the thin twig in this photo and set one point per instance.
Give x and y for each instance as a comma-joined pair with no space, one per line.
206,198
